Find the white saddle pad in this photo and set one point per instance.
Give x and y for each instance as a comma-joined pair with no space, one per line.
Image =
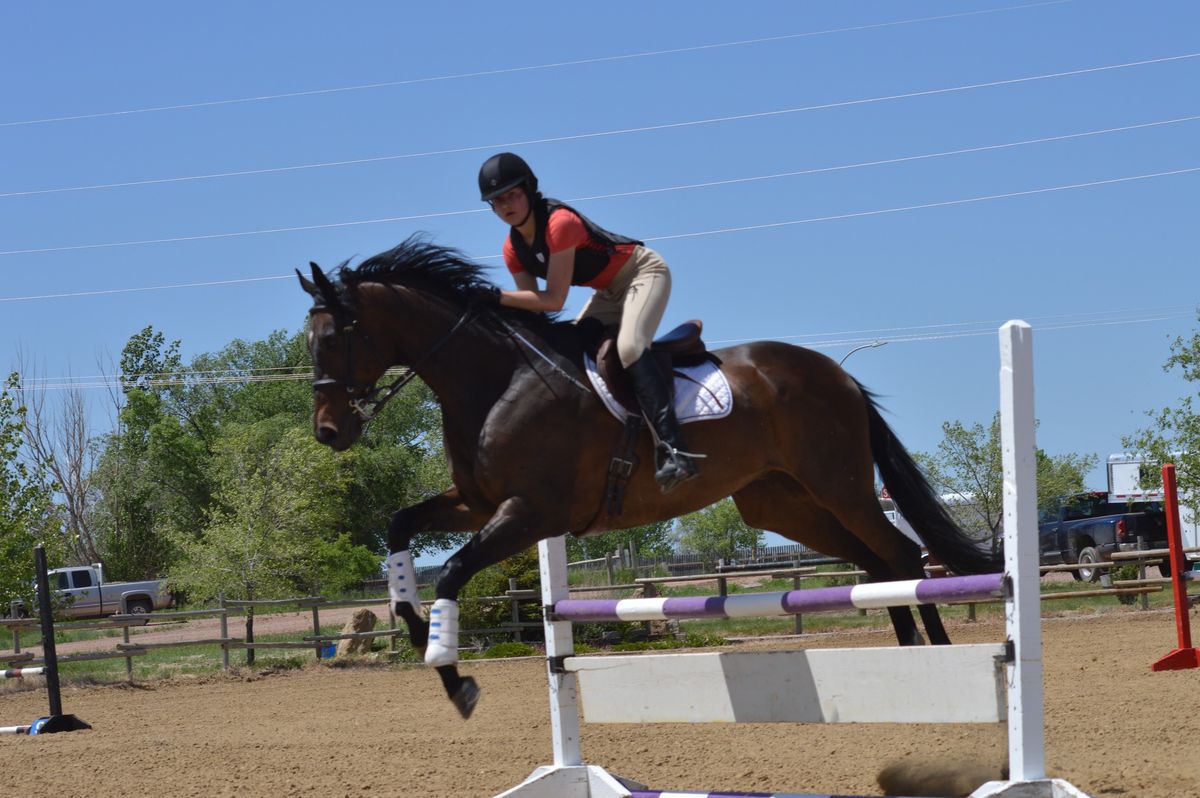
701,394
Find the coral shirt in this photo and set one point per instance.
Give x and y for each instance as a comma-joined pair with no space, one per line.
594,267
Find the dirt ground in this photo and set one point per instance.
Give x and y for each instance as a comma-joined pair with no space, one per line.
1113,728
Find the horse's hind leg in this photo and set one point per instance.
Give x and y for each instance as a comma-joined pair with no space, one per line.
900,555
780,504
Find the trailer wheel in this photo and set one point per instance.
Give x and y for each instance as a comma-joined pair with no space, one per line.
1088,556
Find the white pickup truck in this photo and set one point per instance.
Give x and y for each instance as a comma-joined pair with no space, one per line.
91,596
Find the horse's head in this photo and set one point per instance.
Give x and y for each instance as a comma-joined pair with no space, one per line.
346,364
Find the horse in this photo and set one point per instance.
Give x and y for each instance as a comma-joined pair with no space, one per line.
529,444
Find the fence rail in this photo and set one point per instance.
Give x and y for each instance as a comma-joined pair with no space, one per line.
647,586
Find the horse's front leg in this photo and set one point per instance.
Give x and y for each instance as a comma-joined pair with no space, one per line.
513,528
443,513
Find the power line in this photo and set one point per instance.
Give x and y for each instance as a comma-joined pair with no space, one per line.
514,70
684,187
169,379
943,204
697,234
603,133
990,324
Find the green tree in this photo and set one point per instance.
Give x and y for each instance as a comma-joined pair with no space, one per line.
27,514
272,529
651,540
718,532
1174,432
967,470
151,472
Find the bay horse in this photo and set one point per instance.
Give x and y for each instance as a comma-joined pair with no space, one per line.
529,444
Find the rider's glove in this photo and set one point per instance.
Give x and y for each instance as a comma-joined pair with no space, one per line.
485,295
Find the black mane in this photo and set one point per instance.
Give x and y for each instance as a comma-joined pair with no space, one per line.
444,271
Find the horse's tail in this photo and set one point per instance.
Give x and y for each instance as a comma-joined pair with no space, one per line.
918,502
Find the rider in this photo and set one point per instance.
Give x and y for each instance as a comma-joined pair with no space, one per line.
553,241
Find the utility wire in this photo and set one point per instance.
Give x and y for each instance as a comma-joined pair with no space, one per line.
513,70
605,133
169,380
1086,317
683,187
720,231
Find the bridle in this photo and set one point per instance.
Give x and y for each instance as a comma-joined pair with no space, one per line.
367,399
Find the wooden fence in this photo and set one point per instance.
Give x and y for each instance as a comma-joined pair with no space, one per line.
647,586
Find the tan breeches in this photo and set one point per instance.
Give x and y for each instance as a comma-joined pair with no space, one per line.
634,302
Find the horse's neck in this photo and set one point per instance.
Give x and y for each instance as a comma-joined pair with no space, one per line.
470,367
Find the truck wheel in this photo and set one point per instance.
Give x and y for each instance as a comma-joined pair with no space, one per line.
1164,568
139,607
1088,556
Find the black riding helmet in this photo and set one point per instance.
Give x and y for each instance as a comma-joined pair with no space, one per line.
502,172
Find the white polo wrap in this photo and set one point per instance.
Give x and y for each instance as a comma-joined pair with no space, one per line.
402,579
443,633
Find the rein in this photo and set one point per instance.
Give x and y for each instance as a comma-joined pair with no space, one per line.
368,400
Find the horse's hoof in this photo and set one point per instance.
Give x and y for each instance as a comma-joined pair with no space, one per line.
466,697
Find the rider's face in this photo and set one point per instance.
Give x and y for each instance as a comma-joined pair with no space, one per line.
512,206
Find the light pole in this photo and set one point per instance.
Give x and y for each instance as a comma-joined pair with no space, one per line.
871,345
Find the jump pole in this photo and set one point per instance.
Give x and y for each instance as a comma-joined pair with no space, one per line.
1021,675
1184,656
56,721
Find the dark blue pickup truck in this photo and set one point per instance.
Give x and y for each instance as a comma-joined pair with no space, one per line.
1086,528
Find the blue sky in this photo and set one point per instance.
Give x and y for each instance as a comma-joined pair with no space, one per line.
623,98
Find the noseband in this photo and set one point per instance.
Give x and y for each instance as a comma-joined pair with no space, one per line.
367,399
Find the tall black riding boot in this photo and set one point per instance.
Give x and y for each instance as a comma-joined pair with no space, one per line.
654,396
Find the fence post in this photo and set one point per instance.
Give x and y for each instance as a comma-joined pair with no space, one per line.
224,631
608,564
796,586
515,613
125,640
392,625
858,580
649,590
722,586
971,612
317,628
1144,599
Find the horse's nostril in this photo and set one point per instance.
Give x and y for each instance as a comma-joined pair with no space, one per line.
326,434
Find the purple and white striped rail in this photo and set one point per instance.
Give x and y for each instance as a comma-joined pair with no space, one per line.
669,794
17,673
15,729
792,602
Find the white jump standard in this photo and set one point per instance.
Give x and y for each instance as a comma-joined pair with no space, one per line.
939,684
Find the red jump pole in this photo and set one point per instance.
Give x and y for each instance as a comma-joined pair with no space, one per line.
1184,656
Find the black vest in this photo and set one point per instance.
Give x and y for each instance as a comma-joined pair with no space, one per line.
590,259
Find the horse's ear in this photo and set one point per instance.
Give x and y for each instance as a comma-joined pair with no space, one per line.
308,285
327,290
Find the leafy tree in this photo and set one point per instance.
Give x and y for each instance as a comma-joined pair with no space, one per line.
151,472
1174,433
718,531
398,462
272,530
651,540
27,514
967,470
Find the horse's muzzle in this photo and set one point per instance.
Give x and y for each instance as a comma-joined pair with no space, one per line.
328,435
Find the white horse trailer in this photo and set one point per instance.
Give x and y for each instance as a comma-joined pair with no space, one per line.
1134,480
